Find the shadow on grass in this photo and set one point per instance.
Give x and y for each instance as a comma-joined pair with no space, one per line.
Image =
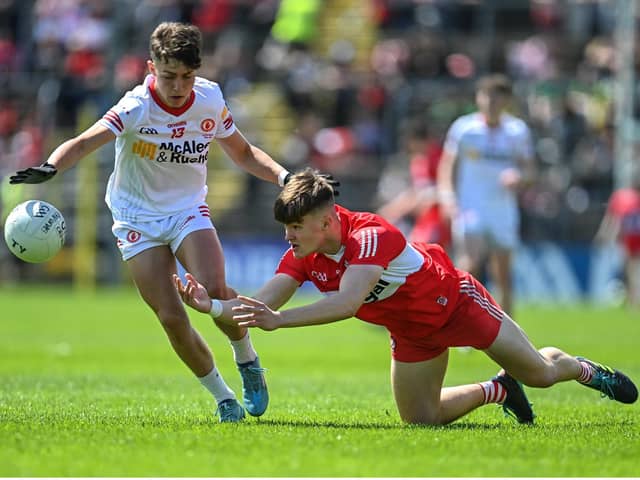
308,423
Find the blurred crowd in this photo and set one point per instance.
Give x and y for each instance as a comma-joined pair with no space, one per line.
350,88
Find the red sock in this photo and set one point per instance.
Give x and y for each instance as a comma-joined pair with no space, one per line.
493,392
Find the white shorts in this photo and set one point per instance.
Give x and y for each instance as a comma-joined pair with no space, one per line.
498,228
133,238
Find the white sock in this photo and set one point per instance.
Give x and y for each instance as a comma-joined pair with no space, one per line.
214,382
243,351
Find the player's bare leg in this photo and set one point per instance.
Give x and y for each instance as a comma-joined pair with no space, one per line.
632,273
472,250
501,270
152,270
201,254
513,351
420,397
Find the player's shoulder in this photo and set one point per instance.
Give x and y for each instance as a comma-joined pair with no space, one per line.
134,100
513,123
207,88
468,121
364,224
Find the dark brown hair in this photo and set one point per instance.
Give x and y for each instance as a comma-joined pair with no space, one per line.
304,193
495,83
176,41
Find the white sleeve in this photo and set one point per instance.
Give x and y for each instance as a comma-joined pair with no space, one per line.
223,118
452,140
123,116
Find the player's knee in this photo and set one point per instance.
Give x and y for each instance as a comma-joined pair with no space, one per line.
541,377
174,322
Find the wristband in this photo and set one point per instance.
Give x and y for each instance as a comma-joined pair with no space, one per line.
282,177
216,308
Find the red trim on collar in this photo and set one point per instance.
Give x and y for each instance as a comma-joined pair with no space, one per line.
177,111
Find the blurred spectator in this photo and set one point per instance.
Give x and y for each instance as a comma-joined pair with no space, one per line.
592,162
487,155
598,62
296,21
129,71
298,149
569,127
59,56
621,223
419,202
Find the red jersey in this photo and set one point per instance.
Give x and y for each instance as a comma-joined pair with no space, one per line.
625,205
430,226
418,289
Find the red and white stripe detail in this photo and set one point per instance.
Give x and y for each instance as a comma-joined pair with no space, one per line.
204,210
493,392
114,119
468,288
368,243
586,374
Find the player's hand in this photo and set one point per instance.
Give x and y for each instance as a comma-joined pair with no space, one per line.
332,181
193,293
40,174
254,313
448,204
510,178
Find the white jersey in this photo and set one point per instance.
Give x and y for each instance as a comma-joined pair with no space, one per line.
161,152
482,154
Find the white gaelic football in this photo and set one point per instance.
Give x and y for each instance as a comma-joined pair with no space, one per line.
35,231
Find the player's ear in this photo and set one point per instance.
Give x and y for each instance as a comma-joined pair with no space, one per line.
151,67
327,221
324,222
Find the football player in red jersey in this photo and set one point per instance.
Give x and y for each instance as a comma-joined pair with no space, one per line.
373,273
621,223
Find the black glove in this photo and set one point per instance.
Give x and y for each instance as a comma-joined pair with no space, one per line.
332,181
39,174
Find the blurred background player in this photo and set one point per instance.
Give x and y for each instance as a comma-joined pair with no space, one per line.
487,155
367,269
621,223
163,130
419,202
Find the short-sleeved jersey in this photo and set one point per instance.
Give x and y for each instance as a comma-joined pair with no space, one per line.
161,152
419,286
482,153
624,204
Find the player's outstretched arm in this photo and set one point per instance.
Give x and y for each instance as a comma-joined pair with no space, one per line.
66,155
356,284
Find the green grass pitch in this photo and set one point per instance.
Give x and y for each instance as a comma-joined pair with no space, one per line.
90,387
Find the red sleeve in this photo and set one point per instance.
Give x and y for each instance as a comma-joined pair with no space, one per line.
374,245
293,267
615,204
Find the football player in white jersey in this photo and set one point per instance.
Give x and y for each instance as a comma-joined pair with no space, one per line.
487,156
157,195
